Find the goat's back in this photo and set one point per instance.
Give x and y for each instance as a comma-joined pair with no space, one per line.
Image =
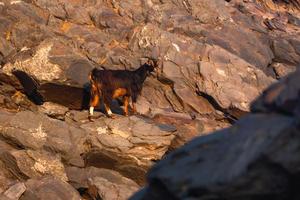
114,78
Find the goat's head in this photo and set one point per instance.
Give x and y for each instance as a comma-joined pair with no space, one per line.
152,65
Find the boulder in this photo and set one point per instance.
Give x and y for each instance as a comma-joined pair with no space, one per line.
38,132
103,183
24,164
49,188
53,71
188,63
15,191
127,144
281,70
282,97
186,128
54,110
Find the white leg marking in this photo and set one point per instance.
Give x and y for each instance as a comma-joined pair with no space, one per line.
109,112
91,110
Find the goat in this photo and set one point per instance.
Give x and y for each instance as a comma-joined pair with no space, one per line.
111,84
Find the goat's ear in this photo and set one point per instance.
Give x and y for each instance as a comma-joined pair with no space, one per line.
150,62
157,63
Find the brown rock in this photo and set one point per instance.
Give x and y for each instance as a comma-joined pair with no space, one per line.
108,184
15,191
281,97
54,110
285,52
32,164
111,191
36,131
282,69
127,144
49,188
187,128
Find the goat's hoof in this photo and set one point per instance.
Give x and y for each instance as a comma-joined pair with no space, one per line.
91,118
111,116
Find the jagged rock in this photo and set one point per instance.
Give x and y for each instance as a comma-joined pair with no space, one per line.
49,188
31,164
3,197
229,92
6,178
15,191
186,128
36,131
203,10
281,97
54,110
53,60
285,52
107,190
5,49
81,116
258,155
207,66
127,144
103,183
282,70
293,20
53,71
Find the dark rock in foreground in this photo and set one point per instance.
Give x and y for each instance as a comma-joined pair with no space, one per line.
257,158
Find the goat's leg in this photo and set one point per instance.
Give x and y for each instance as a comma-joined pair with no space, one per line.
134,108
107,103
126,103
134,99
94,100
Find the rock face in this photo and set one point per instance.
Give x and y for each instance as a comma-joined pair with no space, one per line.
226,50
258,155
215,57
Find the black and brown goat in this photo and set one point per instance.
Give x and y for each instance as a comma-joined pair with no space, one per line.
111,84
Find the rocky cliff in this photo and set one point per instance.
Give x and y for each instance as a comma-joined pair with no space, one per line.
216,57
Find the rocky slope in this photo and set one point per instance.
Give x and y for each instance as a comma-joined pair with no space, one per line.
254,159
216,57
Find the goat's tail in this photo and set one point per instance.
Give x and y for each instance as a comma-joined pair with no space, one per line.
92,76
94,81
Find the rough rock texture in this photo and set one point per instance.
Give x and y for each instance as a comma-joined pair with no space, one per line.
129,145
227,51
49,188
15,191
101,183
258,154
282,97
216,57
